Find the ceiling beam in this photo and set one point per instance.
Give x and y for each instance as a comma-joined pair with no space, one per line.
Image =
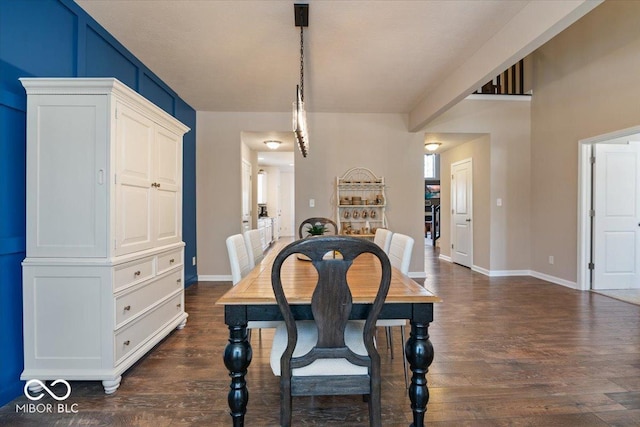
537,23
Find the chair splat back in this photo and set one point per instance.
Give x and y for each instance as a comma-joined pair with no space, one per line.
331,305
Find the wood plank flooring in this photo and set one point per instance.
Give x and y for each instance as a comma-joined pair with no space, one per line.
508,352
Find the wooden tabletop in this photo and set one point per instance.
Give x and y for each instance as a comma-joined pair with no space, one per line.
299,277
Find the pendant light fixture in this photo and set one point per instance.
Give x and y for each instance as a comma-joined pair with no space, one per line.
432,146
273,144
300,130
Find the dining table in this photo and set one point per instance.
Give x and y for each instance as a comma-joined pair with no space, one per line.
252,299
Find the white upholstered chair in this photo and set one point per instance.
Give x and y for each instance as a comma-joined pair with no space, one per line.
240,267
238,257
400,252
382,238
254,246
400,248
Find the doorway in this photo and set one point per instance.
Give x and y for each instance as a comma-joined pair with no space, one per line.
609,221
462,212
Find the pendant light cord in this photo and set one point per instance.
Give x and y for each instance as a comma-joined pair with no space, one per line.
302,63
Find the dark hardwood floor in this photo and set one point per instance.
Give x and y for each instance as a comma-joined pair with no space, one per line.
508,352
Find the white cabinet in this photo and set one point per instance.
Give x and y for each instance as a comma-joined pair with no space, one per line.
361,203
265,225
262,187
103,276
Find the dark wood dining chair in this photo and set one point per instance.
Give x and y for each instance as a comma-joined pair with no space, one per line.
328,355
330,226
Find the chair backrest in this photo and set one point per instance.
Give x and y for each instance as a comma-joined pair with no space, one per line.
331,302
238,257
400,252
330,226
254,246
382,238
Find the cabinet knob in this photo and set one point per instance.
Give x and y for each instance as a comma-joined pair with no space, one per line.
171,261
127,308
127,342
179,280
137,273
179,305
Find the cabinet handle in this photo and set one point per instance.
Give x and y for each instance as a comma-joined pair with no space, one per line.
127,342
171,261
137,273
179,280
127,308
179,305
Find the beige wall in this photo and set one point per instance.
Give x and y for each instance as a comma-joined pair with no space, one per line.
339,142
586,83
501,169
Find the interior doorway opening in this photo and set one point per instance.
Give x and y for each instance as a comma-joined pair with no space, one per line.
591,194
271,155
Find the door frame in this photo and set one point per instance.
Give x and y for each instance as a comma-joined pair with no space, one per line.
452,222
584,201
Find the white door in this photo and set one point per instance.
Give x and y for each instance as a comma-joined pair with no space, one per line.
287,204
461,213
616,236
246,196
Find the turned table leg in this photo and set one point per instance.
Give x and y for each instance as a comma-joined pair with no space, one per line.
237,357
419,355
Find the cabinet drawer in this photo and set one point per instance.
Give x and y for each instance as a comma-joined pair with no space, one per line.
169,260
130,304
133,272
135,335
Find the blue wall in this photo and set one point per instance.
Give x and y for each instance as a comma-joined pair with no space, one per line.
56,38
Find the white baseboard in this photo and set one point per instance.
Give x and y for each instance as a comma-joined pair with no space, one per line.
556,280
444,258
214,278
509,273
417,274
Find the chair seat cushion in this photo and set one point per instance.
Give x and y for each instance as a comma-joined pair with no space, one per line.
264,324
307,338
391,322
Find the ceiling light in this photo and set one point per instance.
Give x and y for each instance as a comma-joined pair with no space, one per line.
273,144
432,146
301,14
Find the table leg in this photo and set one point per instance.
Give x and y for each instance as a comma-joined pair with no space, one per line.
237,357
419,355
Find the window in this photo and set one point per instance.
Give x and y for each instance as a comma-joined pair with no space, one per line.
430,166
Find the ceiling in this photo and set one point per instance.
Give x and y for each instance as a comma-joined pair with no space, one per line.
411,57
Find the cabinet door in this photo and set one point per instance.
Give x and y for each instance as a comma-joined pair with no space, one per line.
167,193
134,149
67,189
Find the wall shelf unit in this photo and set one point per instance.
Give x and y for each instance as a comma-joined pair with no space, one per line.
360,203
